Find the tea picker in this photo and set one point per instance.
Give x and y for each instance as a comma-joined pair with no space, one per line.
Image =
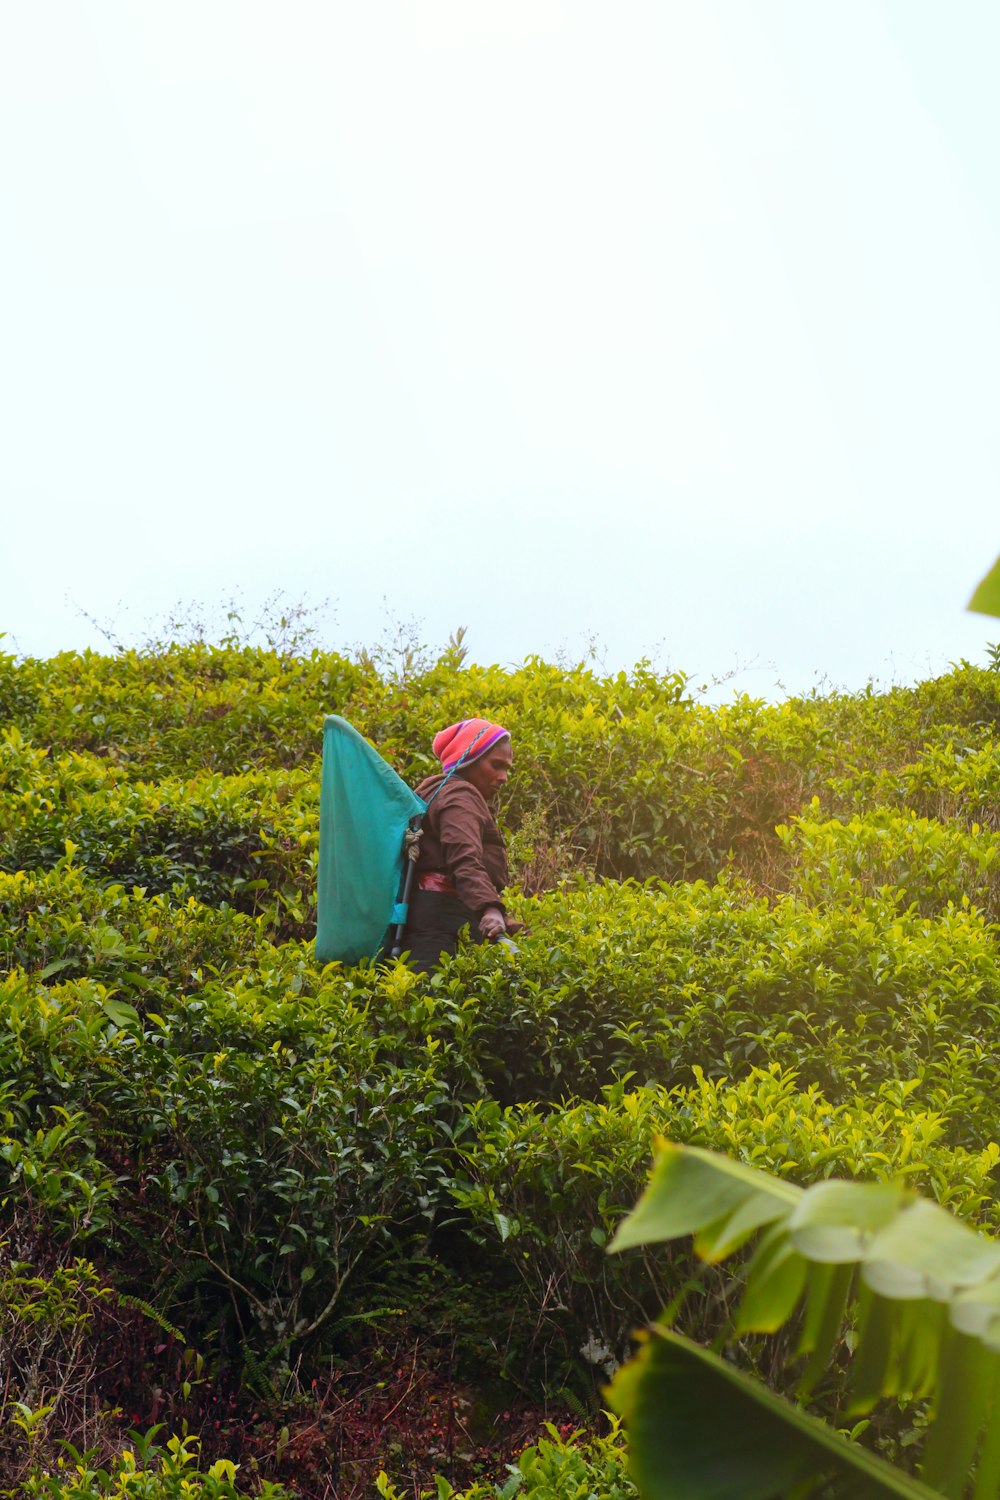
371,825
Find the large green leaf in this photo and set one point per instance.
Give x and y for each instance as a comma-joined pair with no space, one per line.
775,1284
965,1410
986,599
701,1430
836,1221
933,1251
921,1288
697,1192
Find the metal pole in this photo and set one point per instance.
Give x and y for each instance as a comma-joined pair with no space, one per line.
397,943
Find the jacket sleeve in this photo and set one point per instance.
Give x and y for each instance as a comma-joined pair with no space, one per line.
460,832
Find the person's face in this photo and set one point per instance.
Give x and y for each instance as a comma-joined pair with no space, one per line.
491,770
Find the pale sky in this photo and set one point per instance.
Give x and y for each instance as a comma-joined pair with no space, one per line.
668,326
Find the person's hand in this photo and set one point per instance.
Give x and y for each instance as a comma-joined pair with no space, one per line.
492,924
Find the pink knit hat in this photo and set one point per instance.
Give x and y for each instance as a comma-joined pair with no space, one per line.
474,735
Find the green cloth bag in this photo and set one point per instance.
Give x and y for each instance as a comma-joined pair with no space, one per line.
365,810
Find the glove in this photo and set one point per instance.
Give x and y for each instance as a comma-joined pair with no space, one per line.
492,924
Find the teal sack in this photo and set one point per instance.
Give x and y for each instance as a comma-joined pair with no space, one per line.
364,812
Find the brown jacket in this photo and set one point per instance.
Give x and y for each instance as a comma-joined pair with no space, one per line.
461,840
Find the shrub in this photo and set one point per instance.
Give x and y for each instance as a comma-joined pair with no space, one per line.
186,709
551,1186
655,980
149,1470
560,1464
276,1176
914,862
51,1364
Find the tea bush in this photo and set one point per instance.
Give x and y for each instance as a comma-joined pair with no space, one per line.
181,711
269,1142
149,1470
918,863
656,980
51,1318
550,1186
207,838
622,775
59,924
949,783
560,1464
277,1128
278,1179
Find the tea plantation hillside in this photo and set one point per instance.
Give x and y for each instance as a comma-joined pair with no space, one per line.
314,1222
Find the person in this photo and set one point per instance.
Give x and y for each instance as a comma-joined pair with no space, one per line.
461,868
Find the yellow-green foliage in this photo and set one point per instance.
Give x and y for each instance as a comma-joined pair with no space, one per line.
158,1471
559,1465
917,862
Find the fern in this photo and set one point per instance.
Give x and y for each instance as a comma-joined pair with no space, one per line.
154,1315
258,1380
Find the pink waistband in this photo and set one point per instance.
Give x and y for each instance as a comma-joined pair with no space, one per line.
433,880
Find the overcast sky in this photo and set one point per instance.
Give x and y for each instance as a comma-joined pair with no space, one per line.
670,326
